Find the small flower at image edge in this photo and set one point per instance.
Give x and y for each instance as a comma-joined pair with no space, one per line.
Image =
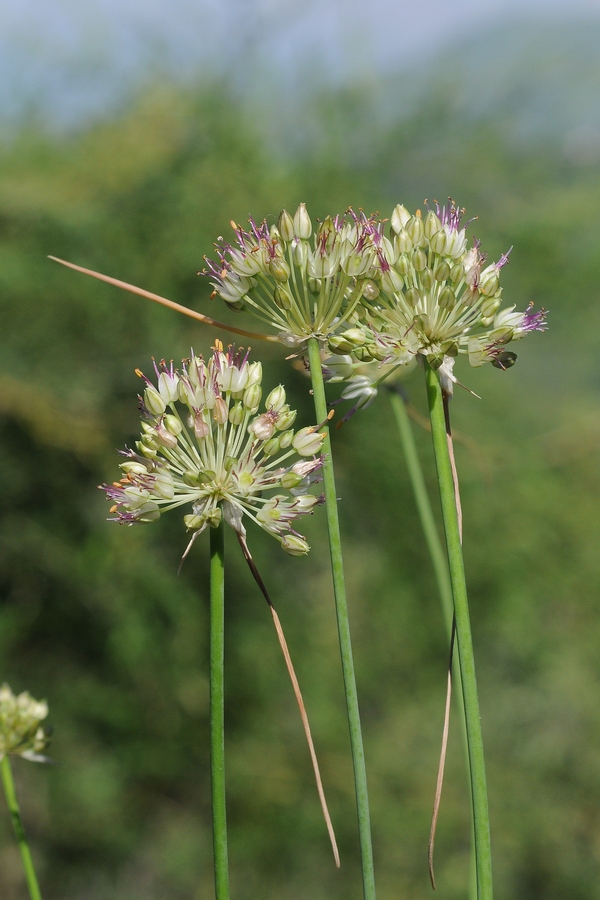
206,445
21,731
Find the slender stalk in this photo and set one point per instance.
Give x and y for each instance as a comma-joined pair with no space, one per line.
432,539
438,559
450,515
217,726
11,799
343,623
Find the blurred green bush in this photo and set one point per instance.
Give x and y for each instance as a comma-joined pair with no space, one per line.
94,618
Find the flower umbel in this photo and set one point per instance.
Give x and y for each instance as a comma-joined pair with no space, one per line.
301,289
433,296
220,455
21,731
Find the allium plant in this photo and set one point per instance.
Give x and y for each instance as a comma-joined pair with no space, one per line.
206,447
21,734
306,292
433,299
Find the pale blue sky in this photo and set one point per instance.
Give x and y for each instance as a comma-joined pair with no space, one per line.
71,57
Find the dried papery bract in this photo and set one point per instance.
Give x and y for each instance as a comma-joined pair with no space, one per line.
21,734
207,447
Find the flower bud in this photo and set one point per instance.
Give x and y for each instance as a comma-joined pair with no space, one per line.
163,485
149,512
285,223
290,480
221,411
391,281
403,243
489,281
419,260
194,522
412,296
439,241
271,447
308,442
339,345
431,225
300,254
403,264
286,418
254,373
165,437
167,386
201,428
354,336
173,424
370,291
426,279
276,399
237,413
252,396
295,545
286,437
447,299
302,223
282,297
400,216
279,269
414,229
441,271
153,401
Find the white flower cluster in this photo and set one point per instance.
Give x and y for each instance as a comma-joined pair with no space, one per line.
21,732
434,296
301,288
221,455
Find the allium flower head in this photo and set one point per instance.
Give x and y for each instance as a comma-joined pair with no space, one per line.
205,444
21,732
434,296
301,287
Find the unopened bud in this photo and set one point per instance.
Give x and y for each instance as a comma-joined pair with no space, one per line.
285,223
432,225
399,218
302,223
419,260
282,297
153,401
295,545
308,442
276,399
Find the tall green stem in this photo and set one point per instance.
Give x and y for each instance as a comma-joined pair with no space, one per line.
481,824
343,623
11,799
438,559
217,724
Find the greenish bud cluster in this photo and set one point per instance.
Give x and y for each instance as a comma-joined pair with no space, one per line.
21,731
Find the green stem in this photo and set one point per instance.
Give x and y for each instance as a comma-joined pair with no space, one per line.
436,552
343,623
217,725
481,823
11,799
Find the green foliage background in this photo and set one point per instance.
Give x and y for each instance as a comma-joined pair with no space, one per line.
95,619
